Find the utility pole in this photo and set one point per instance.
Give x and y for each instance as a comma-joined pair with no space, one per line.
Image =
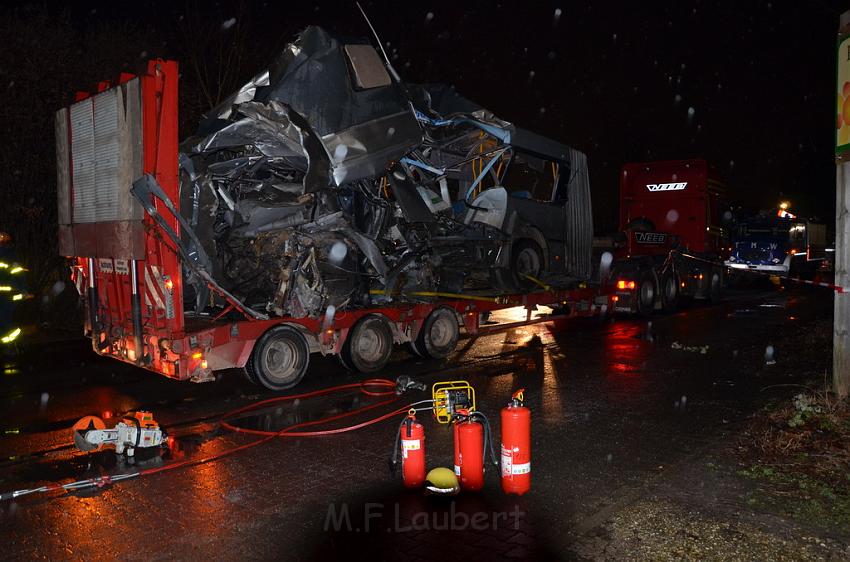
841,320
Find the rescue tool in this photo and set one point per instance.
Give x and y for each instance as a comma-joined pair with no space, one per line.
136,430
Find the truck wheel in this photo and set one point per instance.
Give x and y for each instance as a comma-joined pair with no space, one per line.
280,358
715,286
645,295
368,345
439,334
669,292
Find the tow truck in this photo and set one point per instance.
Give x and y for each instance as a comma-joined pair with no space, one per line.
671,242
129,269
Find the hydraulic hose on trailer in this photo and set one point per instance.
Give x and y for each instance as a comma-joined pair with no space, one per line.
367,387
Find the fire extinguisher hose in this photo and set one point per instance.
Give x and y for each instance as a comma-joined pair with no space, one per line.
488,437
488,434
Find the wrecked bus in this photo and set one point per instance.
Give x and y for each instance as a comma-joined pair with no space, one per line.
325,206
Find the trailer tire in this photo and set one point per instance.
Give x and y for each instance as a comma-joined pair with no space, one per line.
645,294
438,336
414,350
369,344
345,365
280,358
249,372
669,292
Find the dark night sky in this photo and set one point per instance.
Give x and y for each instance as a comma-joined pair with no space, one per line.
747,85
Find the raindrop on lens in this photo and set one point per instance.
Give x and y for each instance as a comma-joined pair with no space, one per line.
338,252
672,215
769,358
57,288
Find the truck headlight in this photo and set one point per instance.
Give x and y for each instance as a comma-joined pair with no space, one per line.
775,260
731,258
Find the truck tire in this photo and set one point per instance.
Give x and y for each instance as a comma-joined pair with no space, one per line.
715,284
369,344
438,336
669,292
280,358
645,294
641,224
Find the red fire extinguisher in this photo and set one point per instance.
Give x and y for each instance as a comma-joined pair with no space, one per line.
469,453
411,442
516,446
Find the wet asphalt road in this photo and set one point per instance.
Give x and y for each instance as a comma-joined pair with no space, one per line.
614,405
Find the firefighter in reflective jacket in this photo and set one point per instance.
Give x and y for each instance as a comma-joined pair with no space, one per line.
12,290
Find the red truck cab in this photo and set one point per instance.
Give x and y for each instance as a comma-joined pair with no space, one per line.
672,239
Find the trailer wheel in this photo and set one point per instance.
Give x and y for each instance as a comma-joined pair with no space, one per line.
249,372
439,334
368,345
669,292
646,292
280,358
414,349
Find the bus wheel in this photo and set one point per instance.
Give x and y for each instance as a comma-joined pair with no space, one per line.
369,344
669,292
438,336
280,358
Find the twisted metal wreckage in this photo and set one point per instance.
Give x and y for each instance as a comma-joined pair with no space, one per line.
326,182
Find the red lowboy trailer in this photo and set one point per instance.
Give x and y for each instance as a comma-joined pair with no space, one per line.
129,270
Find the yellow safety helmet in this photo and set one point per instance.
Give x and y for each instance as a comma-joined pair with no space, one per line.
442,481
